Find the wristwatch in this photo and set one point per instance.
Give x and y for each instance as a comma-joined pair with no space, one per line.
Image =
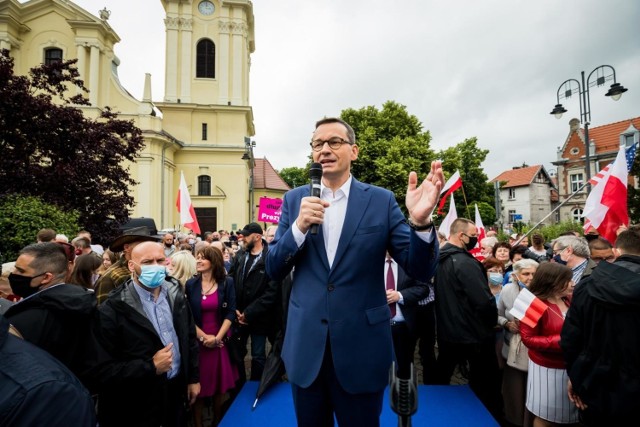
419,227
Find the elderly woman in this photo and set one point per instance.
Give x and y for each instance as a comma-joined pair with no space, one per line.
514,381
501,252
547,379
487,245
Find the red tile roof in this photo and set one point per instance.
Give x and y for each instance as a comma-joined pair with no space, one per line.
518,177
266,177
607,137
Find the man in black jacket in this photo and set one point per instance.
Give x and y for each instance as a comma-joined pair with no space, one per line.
600,340
256,299
145,326
466,316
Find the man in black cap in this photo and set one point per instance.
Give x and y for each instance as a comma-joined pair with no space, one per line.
256,298
119,272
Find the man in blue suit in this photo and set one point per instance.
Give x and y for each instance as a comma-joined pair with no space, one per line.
338,347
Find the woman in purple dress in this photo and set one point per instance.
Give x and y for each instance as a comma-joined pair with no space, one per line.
212,299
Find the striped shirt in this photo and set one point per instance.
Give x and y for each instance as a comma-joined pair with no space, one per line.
578,270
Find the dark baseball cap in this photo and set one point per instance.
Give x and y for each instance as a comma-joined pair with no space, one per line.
254,227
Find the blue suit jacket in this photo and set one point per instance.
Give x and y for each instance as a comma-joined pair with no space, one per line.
346,302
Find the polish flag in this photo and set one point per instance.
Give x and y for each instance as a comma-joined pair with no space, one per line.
445,225
185,207
482,233
528,308
452,184
606,206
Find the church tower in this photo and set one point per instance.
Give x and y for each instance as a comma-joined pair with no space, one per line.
206,106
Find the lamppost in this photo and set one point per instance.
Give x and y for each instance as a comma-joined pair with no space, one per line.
248,156
615,92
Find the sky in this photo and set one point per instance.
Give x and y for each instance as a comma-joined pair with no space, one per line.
488,69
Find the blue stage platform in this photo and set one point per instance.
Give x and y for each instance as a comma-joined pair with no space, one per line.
437,406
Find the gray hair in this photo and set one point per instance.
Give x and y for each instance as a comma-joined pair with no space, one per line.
524,263
489,241
579,245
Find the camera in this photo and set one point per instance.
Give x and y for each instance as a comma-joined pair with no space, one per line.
529,254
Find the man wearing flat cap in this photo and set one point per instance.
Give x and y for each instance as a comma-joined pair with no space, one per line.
256,298
119,272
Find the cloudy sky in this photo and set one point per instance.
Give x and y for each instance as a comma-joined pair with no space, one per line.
465,68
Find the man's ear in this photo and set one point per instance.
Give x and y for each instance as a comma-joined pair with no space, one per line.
47,278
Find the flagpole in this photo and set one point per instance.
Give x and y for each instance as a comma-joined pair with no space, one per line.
464,196
571,196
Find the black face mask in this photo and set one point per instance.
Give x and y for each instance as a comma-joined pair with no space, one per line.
473,241
20,285
559,260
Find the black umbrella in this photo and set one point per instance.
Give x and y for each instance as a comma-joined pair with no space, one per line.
274,366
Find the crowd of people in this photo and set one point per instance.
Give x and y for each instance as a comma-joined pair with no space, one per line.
155,329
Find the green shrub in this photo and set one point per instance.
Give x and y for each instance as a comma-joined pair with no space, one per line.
21,217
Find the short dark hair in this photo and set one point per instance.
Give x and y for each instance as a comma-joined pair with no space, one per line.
214,255
47,257
599,243
537,239
518,249
501,245
46,235
460,224
351,135
629,240
550,279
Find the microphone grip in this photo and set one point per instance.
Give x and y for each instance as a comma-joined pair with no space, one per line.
315,192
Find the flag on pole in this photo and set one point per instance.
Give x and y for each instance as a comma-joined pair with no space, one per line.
606,205
528,308
452,184
445,225
630,155
482,233
185,207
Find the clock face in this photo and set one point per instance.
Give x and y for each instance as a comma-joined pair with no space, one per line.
206,7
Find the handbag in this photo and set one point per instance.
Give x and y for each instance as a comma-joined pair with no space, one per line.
518,357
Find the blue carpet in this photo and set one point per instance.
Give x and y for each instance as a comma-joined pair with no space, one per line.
437,406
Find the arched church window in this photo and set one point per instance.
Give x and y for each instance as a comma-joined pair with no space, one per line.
206,59
204,185
52,55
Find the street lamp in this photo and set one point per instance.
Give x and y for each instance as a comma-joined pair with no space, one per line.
615,92
248,156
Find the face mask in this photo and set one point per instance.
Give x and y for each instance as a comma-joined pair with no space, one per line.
495,278
559,260
21,285
473,241
152,276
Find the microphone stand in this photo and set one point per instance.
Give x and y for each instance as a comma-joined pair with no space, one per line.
403,395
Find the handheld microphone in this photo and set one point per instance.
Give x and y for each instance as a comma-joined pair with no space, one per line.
403,395
315,176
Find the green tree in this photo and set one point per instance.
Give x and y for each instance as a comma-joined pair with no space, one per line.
391,144
52,151
295,176
21,217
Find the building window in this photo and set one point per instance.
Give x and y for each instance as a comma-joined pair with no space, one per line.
576,181
576,215
512,215
512,194
629,140
204,131
204,185
52,56
205,62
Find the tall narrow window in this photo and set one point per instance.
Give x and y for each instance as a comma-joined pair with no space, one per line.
206,62
512,215
512,194
577,180
204,185
52,55
204,131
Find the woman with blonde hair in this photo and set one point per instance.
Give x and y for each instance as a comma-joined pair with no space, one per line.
182,266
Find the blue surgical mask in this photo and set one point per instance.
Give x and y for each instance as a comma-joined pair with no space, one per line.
495,278
152,276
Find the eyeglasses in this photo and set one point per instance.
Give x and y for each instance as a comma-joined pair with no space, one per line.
334,143
557,251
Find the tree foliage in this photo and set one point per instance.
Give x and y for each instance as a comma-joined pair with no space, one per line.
295,176
467,158
392,144
21,217
52,151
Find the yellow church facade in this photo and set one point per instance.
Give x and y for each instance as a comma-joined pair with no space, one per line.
203,125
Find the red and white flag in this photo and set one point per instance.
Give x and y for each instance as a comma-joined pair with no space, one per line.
445,225
185,207
482,233
528,308
606,206
452,184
